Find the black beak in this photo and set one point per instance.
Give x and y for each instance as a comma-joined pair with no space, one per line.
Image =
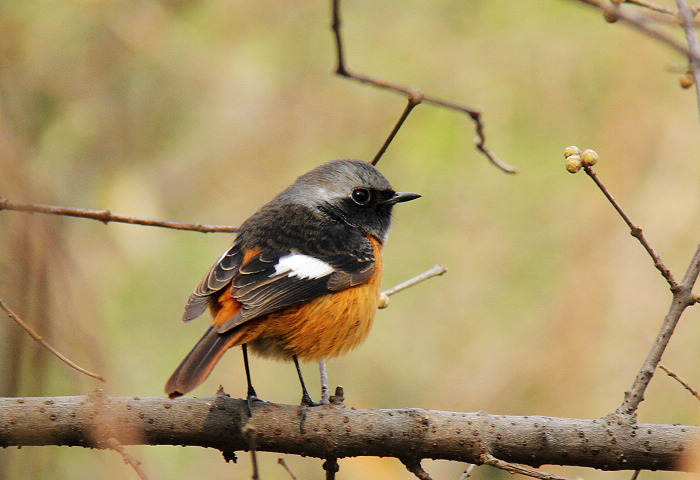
402,197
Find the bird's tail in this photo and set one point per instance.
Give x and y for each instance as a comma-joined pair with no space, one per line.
198,364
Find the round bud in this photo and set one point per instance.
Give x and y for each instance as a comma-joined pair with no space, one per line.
589,157
572,150
687,80
574,163
610,16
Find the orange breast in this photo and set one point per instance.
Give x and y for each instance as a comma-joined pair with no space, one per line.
325,327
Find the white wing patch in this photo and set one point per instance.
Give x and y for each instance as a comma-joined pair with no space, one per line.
302,266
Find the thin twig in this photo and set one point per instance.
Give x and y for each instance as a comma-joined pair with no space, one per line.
685,384
489,459
682,298
413,100
414,466
282,462
652,6
468,471
682,293
641,26
635,475
331,467
475,115
635,231
687,18
325,391
46,345
114,444
435,271
251,436
106,216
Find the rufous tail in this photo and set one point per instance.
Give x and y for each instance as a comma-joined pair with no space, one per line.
198,364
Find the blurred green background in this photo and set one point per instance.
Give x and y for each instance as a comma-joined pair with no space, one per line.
201,111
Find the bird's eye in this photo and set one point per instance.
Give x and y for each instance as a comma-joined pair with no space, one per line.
361,196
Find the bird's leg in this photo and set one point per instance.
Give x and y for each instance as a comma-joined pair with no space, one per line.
325,393
306,400
251,395
305,397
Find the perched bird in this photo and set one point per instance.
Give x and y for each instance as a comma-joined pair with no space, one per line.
302,278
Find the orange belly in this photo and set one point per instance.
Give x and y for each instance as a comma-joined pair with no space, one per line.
324,327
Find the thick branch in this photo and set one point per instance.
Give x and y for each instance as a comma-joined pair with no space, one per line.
611,443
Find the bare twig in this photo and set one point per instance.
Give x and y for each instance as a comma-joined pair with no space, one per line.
682,298
515,468
468,471
652,6
251,436
641,26
635,231
414,466
685,384
325,391
475,115
635,475
114,444
106,216
435,271
413,100
282,462
682,292
687,18
46,345
331,467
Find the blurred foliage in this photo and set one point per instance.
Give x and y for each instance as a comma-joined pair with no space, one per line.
203,110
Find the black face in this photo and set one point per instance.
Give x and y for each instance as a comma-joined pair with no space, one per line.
368,209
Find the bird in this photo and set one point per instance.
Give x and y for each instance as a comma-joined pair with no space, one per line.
302,277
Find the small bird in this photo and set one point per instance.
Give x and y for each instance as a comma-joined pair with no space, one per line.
302,278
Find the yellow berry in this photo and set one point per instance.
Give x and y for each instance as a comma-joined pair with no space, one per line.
572,150
589,157
687,80
574,163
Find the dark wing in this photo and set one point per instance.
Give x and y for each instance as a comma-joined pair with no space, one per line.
274,280
218,276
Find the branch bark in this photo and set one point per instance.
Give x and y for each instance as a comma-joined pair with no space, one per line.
610,443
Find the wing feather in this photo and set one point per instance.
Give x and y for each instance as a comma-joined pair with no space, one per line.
218,276
262,289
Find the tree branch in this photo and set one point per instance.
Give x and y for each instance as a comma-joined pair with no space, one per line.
635,230
106,216
335,431
685,384
414,97
46,344
641,26
682,292
682,298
